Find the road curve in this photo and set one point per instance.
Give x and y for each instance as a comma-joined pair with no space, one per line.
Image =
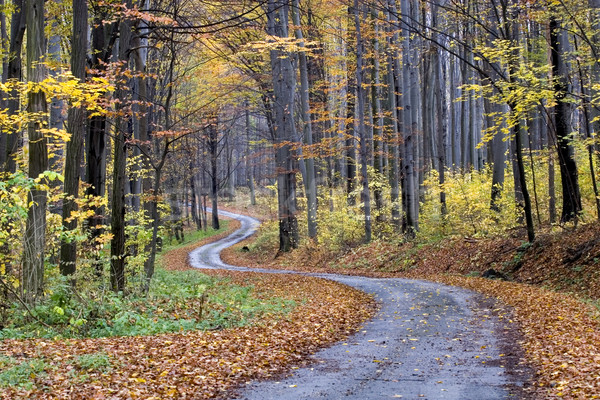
428,341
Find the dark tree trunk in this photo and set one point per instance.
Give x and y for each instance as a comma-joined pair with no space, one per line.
213,143
14,71
117,244
568,166
393,84
76,126
101,49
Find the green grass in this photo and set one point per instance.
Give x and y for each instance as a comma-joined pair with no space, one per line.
194,236
177,301
28,372
14,373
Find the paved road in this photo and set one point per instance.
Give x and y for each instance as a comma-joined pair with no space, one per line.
428,341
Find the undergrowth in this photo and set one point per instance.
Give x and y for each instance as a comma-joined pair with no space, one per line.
177,301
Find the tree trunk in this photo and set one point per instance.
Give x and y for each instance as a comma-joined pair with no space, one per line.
12,70
362,134
17,32
440,113
249,163
410,196
35,232
498,157
101,49
5,47
310,185
284,84
520,169
378,148
393,72
117,244
68,250
194,203
568,166
213,143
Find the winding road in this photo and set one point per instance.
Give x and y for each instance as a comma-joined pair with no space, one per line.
427,341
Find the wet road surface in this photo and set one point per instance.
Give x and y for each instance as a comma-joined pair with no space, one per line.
427,341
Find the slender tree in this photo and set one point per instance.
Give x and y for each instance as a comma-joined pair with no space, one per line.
360,124
76,126
35,232
117,225
310,185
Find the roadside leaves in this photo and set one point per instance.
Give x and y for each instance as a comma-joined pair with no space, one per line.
192,364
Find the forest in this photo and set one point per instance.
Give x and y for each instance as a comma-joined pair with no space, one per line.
127,124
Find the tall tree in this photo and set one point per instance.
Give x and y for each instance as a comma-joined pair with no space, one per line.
360,124
568,166
310,184
284,88
76,126
35,232
408,129
117,225
14,72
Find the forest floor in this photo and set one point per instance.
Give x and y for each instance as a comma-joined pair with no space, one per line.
553,287
192,364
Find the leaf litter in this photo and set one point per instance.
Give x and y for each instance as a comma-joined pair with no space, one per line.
197,364
561,331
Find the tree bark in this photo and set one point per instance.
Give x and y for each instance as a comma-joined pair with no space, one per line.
76,126
249,163
14,71
117,245
362,134
393,83
214,179
102,40
284,84
410,197
35,231
568,166
310,185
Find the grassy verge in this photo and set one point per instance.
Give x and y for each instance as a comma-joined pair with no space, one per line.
177,301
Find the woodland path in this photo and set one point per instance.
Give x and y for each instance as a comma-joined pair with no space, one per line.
427,341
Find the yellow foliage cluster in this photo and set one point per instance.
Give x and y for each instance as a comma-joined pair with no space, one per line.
467,211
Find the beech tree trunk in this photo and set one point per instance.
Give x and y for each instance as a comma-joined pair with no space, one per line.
393,85
310,185
362,134
408,124
249,161
213,143
284,87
